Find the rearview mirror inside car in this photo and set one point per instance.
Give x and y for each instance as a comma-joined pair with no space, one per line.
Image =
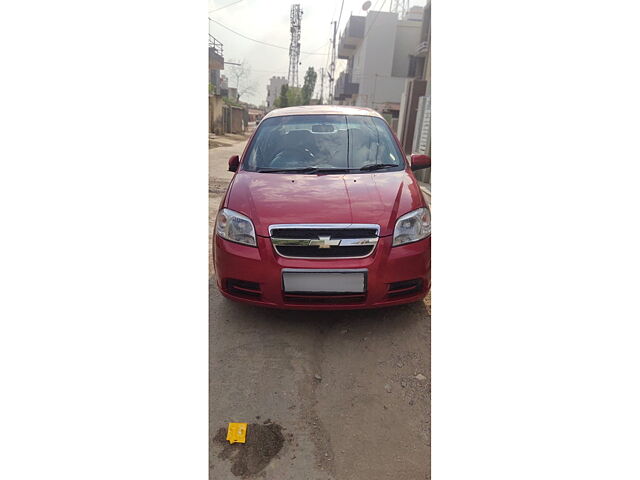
326,128
418,161
234,163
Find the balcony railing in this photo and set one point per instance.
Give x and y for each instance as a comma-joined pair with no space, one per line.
422,49
216,57
215,44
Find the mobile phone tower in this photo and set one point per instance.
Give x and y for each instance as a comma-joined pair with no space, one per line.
294,47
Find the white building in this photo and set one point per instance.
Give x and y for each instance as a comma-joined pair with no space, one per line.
273,90
379,50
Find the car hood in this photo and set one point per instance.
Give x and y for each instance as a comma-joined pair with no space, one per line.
275,198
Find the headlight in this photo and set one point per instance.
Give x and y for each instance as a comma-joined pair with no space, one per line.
235,227
412,227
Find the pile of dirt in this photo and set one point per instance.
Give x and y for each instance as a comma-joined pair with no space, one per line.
217,143
263,442
217,187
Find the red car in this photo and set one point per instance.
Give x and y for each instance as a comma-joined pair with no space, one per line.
323,212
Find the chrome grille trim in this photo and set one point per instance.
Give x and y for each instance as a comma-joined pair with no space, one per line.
340,226
309,242
325,242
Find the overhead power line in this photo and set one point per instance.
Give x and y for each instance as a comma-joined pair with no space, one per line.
373,21
259,41
225,6
321,47
340,16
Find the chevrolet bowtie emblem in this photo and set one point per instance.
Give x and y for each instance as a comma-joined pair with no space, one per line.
325,242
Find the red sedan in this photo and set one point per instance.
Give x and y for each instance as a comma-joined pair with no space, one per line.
323,212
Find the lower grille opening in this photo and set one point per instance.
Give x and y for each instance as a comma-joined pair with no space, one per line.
315,252
330,299
243,288
405,288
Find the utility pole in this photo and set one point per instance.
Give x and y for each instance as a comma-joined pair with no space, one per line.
332,66
294,47
321,83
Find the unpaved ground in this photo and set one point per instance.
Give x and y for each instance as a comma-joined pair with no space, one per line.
262,443
350,390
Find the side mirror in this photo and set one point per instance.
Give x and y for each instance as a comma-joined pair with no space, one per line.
418,162
234,163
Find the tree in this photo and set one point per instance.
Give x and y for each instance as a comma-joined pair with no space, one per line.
283,99
289,97
241,77
309,86
294,96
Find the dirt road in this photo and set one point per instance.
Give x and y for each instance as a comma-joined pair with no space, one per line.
349,391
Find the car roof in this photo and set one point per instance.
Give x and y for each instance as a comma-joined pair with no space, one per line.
323,110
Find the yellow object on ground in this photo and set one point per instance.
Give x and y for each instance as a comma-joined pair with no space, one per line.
237,433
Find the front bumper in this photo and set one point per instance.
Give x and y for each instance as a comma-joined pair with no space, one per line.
395,275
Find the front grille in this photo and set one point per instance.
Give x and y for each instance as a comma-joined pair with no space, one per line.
333,252
324,241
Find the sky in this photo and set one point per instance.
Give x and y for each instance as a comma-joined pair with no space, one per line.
268,21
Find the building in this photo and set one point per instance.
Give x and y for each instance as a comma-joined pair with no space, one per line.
216,63
414,125
273,90
223,118
379,50
254,114
415,111
224,86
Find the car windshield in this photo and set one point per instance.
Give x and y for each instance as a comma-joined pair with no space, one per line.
323,143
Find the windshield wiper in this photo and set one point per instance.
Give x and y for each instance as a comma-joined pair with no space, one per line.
278,170
377,166
302,170
331,170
